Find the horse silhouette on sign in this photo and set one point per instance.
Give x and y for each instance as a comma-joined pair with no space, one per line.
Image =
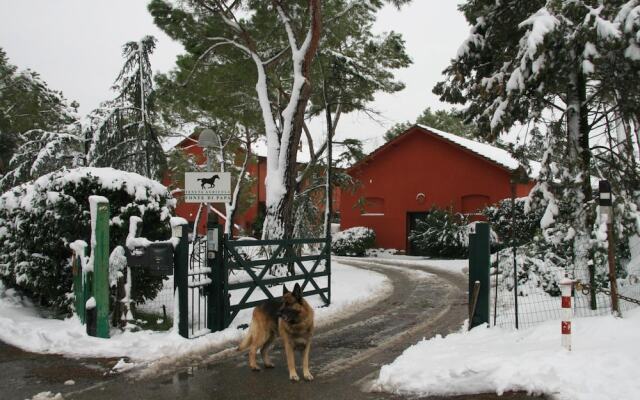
208,181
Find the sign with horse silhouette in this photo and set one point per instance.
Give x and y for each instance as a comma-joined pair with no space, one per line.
207,187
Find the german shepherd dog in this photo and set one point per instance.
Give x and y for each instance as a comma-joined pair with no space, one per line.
290,317
208,181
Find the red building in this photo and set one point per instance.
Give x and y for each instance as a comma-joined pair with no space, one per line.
421,168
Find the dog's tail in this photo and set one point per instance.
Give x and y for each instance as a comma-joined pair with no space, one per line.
246,341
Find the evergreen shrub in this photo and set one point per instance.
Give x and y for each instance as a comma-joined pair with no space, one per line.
442,234
39,219
353,241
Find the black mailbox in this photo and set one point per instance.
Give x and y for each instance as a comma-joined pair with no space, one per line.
160,257
138,257
157,258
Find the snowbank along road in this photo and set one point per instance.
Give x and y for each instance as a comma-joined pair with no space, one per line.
346,355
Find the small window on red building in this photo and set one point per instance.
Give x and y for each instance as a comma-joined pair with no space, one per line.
373,206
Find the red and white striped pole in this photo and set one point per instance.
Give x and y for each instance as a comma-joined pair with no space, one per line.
566,286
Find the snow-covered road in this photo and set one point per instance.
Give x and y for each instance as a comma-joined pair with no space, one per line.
345,353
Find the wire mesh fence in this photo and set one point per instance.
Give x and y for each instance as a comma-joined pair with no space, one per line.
538,298
157,313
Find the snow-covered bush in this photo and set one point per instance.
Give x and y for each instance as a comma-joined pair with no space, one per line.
526,224
442,234
353,241
39,219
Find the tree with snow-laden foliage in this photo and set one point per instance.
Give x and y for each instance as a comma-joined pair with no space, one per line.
36,124
571,64
41,152
122,131
278,41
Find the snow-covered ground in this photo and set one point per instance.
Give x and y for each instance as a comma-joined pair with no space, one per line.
601,366
22,326
385,256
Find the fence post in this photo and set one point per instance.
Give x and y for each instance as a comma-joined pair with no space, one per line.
566,287
87,293
223,278
216,302
479,263
606,210
328,267
180,279
78,282
100,211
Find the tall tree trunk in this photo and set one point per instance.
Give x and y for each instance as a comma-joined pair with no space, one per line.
283,148
579,160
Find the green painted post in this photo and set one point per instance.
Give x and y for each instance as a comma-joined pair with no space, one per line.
479,263
101,264
180,280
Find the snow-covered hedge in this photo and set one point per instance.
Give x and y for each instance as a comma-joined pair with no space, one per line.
527,225
39,219
353,241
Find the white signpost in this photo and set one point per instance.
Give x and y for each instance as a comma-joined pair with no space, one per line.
207,187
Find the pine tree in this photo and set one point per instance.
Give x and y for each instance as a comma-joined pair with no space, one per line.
526,61
41,152
30,113
123,132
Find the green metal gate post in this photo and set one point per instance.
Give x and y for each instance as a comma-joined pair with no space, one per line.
180,279
479,263
101,265
217,309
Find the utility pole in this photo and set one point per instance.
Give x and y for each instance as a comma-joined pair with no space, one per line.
606,212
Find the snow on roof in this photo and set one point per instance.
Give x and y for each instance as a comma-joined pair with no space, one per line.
178,134
170,142
495,154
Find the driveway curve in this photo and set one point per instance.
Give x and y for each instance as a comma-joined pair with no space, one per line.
346,355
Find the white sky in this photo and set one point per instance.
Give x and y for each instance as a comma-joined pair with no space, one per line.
75,45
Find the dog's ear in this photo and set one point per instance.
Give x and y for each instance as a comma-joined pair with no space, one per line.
284,290
297,292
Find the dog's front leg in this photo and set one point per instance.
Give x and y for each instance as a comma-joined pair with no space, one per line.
305,362
291,361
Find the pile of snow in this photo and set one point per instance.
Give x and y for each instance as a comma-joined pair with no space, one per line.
23,327
602,364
